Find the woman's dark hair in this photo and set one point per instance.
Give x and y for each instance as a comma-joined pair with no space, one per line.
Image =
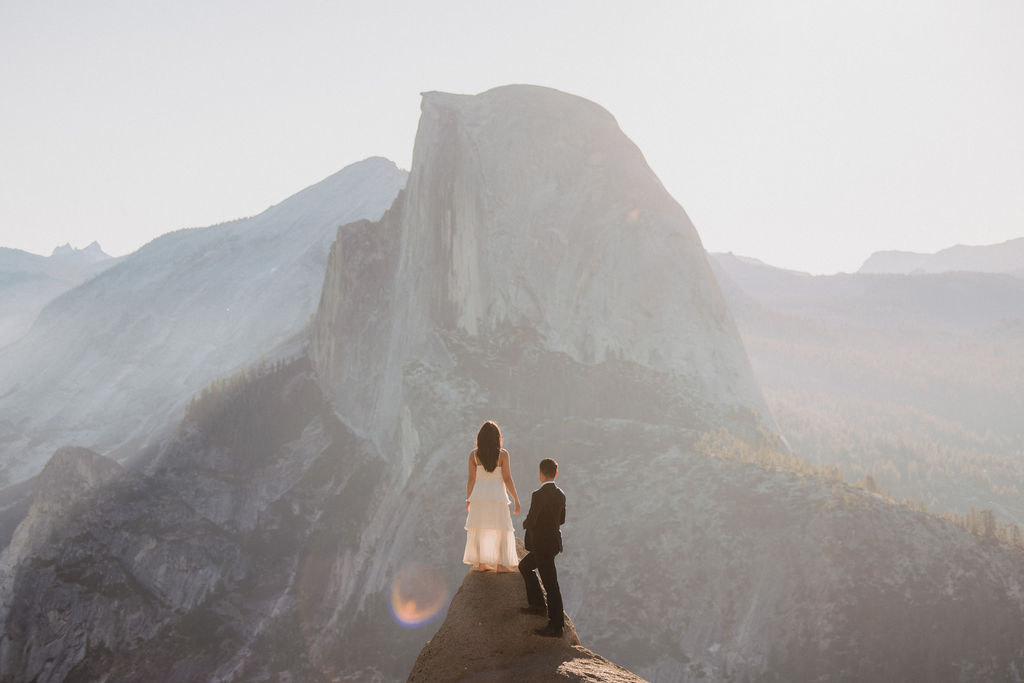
488,445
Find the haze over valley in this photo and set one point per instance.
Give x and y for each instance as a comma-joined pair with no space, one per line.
916,381
112,362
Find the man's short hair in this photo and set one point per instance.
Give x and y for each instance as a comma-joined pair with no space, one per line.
549,468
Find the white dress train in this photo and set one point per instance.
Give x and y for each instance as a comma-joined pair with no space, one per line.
490,537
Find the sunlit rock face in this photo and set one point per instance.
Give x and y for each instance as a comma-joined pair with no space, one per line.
527,212
112,361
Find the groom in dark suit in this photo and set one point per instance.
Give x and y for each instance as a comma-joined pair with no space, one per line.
544,541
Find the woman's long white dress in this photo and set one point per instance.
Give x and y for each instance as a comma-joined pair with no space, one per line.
490,538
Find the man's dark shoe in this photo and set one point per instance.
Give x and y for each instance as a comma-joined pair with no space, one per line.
549,631
534,609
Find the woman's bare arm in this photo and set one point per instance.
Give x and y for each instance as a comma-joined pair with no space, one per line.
471,477
505,462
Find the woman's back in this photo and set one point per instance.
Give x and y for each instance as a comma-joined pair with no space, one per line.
489,485
490,538
482,473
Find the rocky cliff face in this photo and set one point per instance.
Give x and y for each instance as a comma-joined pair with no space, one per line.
528,214
67,477
110,363
140,561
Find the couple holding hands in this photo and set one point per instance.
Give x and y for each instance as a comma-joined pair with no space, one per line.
490,538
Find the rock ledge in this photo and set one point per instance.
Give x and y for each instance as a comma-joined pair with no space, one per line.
484,637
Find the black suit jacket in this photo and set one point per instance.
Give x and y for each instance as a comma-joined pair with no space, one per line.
547,513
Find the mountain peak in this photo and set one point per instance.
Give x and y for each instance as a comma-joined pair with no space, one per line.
527,210
1005,257
500,174
90,254
520,97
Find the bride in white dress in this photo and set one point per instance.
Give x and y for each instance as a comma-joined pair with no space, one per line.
490,538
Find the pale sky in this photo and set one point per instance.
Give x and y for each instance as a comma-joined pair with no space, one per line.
805,133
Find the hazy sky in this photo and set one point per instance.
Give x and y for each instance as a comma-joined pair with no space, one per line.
805,133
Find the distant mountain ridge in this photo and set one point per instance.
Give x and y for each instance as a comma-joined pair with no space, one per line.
90,254
1005,257
913,379
114,360
28,282
19,259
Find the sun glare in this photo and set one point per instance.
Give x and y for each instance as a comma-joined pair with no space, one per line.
418,593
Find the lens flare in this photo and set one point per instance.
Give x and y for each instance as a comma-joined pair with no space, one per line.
418,593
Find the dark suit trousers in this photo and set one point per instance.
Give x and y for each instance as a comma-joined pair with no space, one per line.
546,565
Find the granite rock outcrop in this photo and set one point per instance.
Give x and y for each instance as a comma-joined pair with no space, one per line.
530,218
484,637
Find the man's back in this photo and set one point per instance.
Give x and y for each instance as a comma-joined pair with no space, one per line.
547,513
